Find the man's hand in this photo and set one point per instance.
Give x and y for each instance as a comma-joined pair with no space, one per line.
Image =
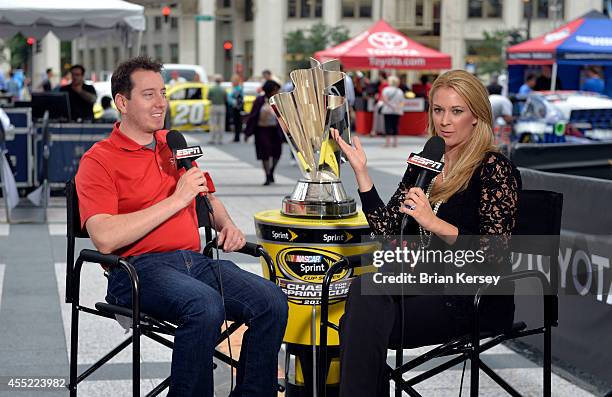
188,186
231,238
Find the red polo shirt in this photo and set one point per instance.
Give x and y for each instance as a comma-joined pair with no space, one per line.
119,176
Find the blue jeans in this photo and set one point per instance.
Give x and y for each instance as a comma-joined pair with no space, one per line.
183,287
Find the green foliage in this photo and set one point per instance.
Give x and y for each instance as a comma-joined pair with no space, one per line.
19,51
301,44
491,50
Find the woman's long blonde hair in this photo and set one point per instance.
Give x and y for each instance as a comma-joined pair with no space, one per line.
472,152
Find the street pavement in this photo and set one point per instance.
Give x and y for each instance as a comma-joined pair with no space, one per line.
35,321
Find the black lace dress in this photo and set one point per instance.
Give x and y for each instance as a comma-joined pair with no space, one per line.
487,207
373,323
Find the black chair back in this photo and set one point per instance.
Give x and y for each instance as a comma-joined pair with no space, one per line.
73,220
537,232
539,213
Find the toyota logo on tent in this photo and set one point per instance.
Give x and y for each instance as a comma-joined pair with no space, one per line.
387,41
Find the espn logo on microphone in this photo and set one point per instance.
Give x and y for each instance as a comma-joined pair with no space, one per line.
435,166
188,152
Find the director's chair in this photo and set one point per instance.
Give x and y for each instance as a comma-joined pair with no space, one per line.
539,214
141,323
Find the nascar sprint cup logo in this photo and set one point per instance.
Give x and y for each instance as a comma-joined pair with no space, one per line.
303,271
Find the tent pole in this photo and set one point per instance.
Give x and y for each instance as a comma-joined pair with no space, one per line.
553,77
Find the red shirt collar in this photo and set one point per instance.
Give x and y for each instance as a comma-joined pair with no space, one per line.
122,141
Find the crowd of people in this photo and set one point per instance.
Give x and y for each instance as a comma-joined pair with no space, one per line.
384,94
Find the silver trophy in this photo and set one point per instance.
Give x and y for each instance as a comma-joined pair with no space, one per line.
306,114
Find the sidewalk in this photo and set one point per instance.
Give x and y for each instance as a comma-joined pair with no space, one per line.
35,321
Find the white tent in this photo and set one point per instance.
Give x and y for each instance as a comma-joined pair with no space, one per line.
69,19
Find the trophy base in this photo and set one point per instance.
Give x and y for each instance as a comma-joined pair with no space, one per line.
320,199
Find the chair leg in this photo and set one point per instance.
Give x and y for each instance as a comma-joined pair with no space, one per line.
136,361
74,344
399,361
547,361
474,371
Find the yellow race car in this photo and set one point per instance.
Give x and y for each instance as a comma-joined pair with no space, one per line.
189,107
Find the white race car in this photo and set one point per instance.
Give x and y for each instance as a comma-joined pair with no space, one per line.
547,114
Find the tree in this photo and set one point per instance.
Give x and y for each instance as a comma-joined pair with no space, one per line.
19,51
491,50
302,45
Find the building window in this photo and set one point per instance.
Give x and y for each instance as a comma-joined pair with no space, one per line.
92,59
157,50
305,9
248,10
143,50
418,13
357,8
158,23
174,53
248,58
115,56
103,58
485,8
436,18
81,56
545,9
173,23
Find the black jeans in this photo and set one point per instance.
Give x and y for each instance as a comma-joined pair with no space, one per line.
391,124
372,323
237,121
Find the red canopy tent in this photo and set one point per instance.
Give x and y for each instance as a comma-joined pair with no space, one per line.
382,47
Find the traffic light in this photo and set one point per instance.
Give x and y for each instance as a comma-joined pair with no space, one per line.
30,41
166,13
227,47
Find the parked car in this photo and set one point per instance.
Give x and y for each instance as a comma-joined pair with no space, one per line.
187,72
189,108
546,116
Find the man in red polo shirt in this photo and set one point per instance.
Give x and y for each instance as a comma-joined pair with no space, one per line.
134,202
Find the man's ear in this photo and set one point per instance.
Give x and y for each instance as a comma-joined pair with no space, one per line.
121,103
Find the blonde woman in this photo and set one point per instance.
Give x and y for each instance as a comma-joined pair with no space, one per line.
392,109
476,194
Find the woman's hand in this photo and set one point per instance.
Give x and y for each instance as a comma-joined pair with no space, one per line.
356,158
417,206
355,155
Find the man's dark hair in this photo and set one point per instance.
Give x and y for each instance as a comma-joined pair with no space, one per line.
530,76
78,67
106,102
48,70
121,82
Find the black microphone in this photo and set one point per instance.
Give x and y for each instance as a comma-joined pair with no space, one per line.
428,162
184,155
429,165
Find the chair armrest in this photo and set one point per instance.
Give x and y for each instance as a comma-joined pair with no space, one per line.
251,249
88,255
522,275
93,256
